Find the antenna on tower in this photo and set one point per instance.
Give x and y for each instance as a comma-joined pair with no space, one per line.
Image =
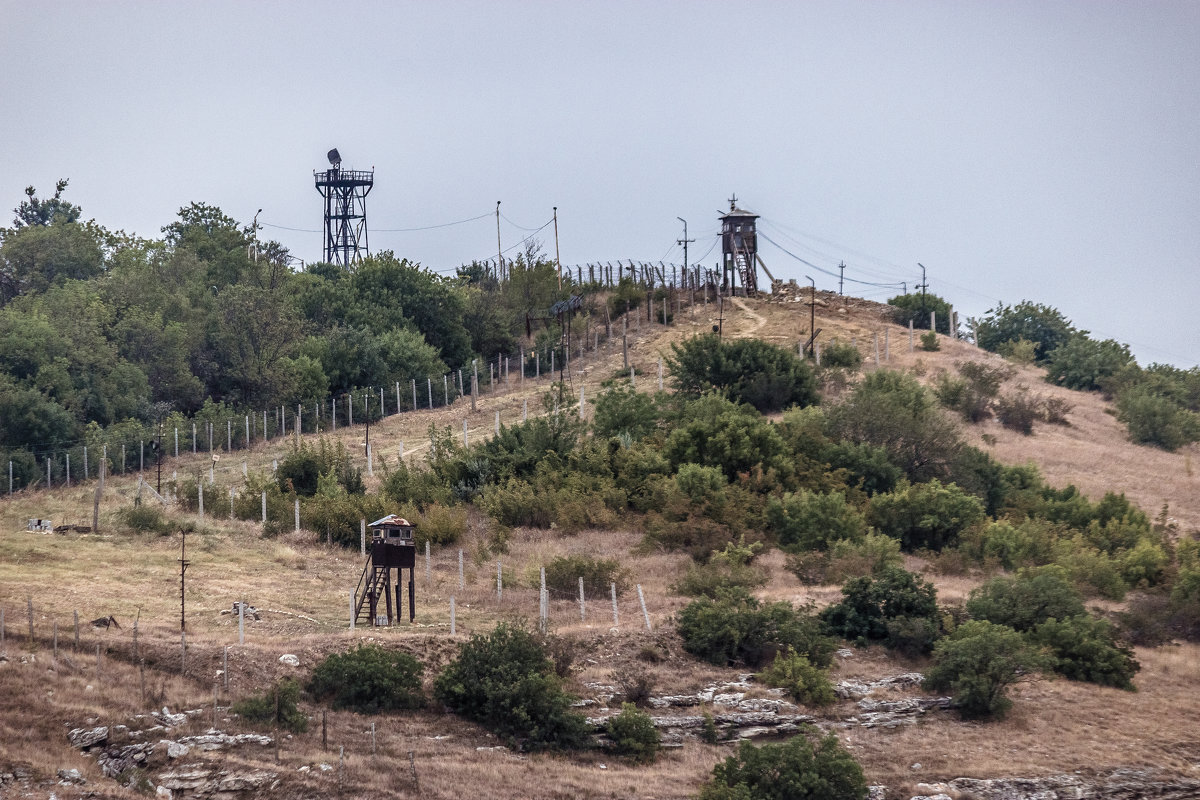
345,193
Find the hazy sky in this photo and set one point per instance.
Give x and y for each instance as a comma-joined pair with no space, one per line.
1039,150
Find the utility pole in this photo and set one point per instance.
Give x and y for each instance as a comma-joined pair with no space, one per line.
254,232
684,241
499,252
812,316
924,285
841,277
557,262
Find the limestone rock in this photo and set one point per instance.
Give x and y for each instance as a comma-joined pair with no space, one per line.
289,659
86,738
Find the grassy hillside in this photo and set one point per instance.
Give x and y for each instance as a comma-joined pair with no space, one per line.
301,586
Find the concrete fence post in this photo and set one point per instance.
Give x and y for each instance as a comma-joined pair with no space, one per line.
642,600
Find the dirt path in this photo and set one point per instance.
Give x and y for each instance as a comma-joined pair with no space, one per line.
759,320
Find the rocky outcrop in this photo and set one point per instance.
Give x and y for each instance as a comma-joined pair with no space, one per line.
210,782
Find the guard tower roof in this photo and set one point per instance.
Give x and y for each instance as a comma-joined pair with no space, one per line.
390,520
734,211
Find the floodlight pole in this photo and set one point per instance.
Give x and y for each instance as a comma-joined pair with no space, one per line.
254,233
557,262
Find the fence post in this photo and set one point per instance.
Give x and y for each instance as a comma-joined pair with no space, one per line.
370,461
297,514
352,611
642,600
200,496
614,603
525,410
499,582
543,611
241,622
414,392
460,569
582,612
465,442
362,537
264,507
428,568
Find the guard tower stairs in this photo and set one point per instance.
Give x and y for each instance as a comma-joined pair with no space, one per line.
392,547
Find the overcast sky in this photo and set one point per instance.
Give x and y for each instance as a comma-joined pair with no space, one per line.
1039,150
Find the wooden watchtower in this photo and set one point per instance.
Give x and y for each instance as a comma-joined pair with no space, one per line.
392,548
739,248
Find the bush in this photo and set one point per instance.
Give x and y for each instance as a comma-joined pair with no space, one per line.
978,662
146,518
916,307
1156,420
706,580
929,342
763,375
368,679
806,767
1083,363
440,525
813,521
1003,326
805,683
563,574
1085,649
1018,411
841,355
925,515
623,411
714,432
1026,600
505,681
633,734
971,394
892,411
276,707
736,628
869,603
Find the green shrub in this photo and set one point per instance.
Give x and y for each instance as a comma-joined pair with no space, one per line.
1092,571
869,603
916,307
841,355
872,555
813,521
925,515
1006,326
805,683
368,679
929,342
146,518
714,432
1085,649
623,411
706,580
276,707
763,375
734,628
890,410
1084,363
912,636
1027,599
516,503
633,734
972,393
1157,420
299,472
806,767
978,662
563,574
1021,351
505,681
440,525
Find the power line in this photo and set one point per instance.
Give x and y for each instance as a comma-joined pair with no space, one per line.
822,269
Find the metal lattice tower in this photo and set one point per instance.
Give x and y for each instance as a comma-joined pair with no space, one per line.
345,193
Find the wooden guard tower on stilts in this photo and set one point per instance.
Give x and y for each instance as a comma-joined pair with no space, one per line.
392,548
739,248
